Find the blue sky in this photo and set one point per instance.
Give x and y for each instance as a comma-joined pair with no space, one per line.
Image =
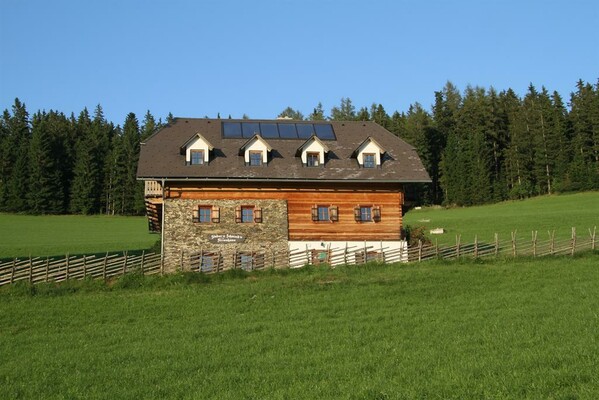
198,58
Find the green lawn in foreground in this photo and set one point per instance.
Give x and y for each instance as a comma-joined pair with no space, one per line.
546,213
438,330
21,235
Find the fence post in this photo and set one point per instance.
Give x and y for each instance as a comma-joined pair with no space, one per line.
345,254
437,247
30,269
104,267
496,244
458,239
47,267
143,256
573,240
419,250
514,243
12,272
552,243
161,264
593,237
181,261
475,246
67,271
534,243
125,262
84,266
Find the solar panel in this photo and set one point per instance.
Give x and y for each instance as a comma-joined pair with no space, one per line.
277,130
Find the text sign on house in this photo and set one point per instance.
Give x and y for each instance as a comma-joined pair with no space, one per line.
226,238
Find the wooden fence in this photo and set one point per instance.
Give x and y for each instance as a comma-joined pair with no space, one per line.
35,270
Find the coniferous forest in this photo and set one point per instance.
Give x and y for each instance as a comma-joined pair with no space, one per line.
479,146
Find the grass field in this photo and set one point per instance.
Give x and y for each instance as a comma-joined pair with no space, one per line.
22,235
546,213
438,330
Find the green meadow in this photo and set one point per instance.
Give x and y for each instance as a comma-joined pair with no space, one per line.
559,213
24,235
500,329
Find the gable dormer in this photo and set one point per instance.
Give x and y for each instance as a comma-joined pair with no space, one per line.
369,153
312,152
255,151
197,150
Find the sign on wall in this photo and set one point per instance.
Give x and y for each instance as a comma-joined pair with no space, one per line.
226,238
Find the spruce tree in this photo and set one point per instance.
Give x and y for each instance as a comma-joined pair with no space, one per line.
317,114
345,112
291,113
19,135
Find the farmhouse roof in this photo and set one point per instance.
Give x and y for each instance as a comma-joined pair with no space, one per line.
160,156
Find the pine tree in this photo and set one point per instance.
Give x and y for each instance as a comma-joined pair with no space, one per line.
291,113
345,112
317,113
17,143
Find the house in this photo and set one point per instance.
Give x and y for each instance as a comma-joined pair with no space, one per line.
256,187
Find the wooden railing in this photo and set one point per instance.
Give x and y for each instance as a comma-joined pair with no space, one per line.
152,189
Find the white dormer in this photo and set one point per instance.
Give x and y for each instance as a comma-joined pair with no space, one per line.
312,152
197,150
369,153
255,151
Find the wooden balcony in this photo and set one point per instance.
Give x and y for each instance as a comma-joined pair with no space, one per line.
152,189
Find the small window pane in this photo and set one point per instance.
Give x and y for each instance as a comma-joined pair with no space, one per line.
324,131
323,213
287,131
205,214
365,214
247,214
305,131
231,129
369,160
255,158
250,129
197,157
312,159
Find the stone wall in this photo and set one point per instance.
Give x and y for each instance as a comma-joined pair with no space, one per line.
183,237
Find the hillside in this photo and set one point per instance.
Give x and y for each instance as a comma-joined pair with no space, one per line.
543,214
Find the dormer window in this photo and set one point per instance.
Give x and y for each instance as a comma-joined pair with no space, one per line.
312,152
369,154
255,151
196,150
312,159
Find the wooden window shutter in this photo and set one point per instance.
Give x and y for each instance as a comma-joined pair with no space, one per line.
357,216
334,213
238,214
195,217
257,215
376,213
314,213
215,215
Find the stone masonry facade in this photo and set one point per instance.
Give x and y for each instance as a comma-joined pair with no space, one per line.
184,239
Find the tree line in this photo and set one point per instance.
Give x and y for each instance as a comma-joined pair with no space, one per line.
54,164
484,146
478,146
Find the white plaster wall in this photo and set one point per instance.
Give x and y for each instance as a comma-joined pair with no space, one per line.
398,247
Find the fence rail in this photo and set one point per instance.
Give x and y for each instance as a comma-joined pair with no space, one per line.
35,270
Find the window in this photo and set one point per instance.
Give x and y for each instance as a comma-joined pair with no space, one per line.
255,158
367,213
369,160
196,157
325,213
206,214
312,159
249,261
248,214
